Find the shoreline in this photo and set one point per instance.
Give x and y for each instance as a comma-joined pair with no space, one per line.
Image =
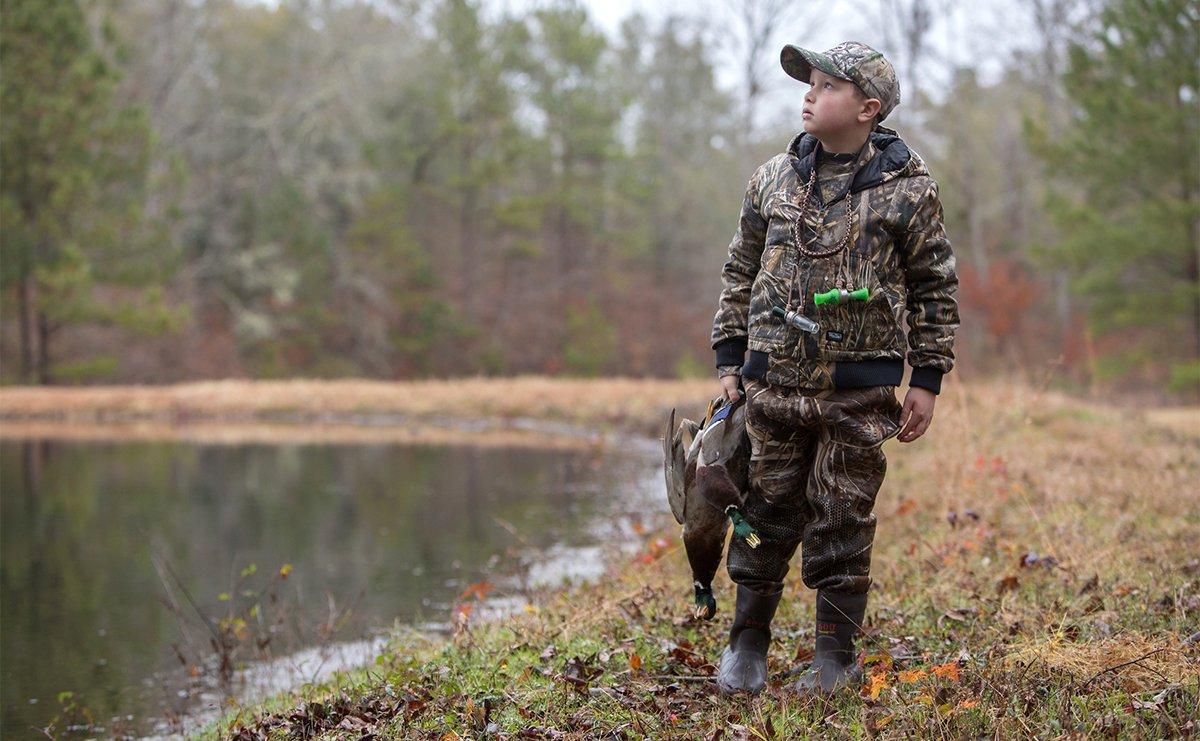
514,433
617,404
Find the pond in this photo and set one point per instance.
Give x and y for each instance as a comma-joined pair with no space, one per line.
113,550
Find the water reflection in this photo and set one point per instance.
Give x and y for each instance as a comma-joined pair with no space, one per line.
395,530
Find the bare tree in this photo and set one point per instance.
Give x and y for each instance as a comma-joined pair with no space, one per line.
752,30
905,27
1056,24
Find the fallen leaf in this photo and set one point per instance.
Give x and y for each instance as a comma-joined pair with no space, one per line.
957,614
883,660
579,673
947,671
479,713
913,675
876,683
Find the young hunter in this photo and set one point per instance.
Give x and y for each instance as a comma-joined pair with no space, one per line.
837,237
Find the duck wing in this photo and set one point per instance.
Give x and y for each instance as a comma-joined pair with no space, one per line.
677,443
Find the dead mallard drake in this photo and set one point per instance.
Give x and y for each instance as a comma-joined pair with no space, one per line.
707,468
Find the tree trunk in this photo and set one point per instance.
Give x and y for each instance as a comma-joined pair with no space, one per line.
468,235
43,353
25,302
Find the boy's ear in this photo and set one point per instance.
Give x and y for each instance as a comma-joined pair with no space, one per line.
871,107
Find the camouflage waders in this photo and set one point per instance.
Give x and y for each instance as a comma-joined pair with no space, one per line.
816,466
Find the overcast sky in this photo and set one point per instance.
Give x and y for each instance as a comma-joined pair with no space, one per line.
982,34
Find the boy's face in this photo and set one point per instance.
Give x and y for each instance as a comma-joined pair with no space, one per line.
834,106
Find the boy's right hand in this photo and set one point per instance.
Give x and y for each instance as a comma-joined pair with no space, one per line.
729,386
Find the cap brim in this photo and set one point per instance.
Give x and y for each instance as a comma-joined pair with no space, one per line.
799,63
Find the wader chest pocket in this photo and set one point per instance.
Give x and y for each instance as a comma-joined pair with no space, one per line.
852,326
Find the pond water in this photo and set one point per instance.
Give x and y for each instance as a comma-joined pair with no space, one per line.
112,550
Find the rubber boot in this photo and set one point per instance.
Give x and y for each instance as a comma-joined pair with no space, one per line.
835,660
744,661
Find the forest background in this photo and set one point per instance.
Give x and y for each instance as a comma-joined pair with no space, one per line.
401,189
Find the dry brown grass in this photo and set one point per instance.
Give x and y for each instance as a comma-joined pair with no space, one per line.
622,402
1185,420
1144,663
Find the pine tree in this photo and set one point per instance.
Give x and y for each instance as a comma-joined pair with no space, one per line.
74,164
1128,165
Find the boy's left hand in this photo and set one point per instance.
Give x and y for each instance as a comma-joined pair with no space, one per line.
916,414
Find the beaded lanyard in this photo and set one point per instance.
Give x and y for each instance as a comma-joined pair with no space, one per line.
800,245
798,224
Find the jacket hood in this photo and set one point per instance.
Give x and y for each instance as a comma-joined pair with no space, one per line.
892,159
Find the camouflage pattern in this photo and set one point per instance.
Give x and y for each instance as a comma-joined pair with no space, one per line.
897,248
816,466
849,60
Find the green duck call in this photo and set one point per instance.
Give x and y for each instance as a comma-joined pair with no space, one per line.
841,296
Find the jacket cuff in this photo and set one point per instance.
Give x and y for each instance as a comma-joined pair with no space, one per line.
927,377
731,351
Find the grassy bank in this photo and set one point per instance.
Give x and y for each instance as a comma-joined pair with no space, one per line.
610,404
1036,575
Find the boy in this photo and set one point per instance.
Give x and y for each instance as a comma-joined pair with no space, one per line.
849,211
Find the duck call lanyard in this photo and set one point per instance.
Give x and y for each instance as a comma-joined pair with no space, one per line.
798,224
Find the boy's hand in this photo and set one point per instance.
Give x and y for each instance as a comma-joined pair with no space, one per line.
729,385
916,414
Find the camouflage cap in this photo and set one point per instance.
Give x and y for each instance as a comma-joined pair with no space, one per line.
849,60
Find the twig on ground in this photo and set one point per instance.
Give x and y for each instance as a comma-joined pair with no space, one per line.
1124,664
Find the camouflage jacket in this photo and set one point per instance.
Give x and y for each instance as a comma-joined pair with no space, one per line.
897,249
